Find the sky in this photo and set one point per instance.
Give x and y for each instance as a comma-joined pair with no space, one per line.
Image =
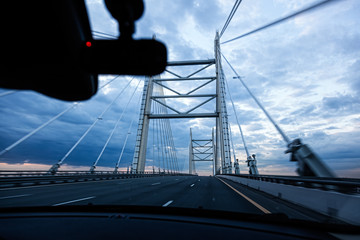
306,73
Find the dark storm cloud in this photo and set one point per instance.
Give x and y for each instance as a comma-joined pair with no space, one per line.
341,104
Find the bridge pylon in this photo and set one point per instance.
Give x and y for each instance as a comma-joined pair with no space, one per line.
201,150
222,158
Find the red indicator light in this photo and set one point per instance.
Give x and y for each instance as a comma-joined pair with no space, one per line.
88,44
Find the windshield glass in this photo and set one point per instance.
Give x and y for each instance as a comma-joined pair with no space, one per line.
244,84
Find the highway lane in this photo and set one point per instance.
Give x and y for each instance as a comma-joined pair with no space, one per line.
166,191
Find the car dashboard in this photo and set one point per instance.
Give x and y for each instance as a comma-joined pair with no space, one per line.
144,222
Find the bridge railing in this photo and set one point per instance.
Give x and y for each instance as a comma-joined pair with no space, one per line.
335,197
343,185
9,173
10,178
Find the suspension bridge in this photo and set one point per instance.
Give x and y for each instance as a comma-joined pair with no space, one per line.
162,182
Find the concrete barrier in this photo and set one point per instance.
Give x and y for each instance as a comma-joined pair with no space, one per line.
345,207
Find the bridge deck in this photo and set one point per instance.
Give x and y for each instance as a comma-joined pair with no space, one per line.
169,191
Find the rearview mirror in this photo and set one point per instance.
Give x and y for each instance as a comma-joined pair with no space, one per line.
49,48
125,57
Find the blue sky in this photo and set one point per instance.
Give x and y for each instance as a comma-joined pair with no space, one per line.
306,72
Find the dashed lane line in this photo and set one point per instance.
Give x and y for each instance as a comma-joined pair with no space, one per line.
57,184
168,203
15,196
72,201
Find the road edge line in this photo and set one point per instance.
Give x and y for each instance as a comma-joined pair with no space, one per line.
264,210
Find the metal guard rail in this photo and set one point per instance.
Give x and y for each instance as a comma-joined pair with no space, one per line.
11,179
7,173
343,185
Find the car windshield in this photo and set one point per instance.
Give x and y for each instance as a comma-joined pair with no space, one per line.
257,112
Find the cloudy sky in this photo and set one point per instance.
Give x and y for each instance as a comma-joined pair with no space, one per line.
306,73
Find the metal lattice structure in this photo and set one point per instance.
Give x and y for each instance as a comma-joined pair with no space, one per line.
222,158
200,150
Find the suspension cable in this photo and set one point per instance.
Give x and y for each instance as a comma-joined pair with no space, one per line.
173,147
44,124
103,37
109,82
233,10
237,120
105,34
126,138
161,140
165,145
166,124
92,125
232,144
113,130
280,20
168,138
123,148
37,129
157,137
286,139
153,144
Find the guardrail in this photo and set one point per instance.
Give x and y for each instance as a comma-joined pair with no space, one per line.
343,185
7,173
336,197
30,178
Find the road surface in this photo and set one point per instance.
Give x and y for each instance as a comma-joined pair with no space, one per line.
167,191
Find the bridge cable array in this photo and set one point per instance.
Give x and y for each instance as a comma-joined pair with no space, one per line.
250,159
125,142
92,168
228,20
123,148
236,163
309,164
37,129
16,143
237,121
104,35
280,20
163,142
109,82
56,166
284,136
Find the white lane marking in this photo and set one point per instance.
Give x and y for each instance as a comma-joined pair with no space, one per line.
15,196
125,182
157,183
57,184
176,179
72,201
192,185
168,203
199,180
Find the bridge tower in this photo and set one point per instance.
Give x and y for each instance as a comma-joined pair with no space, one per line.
200,150
222,157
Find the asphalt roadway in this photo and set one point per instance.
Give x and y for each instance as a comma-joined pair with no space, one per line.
167,191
